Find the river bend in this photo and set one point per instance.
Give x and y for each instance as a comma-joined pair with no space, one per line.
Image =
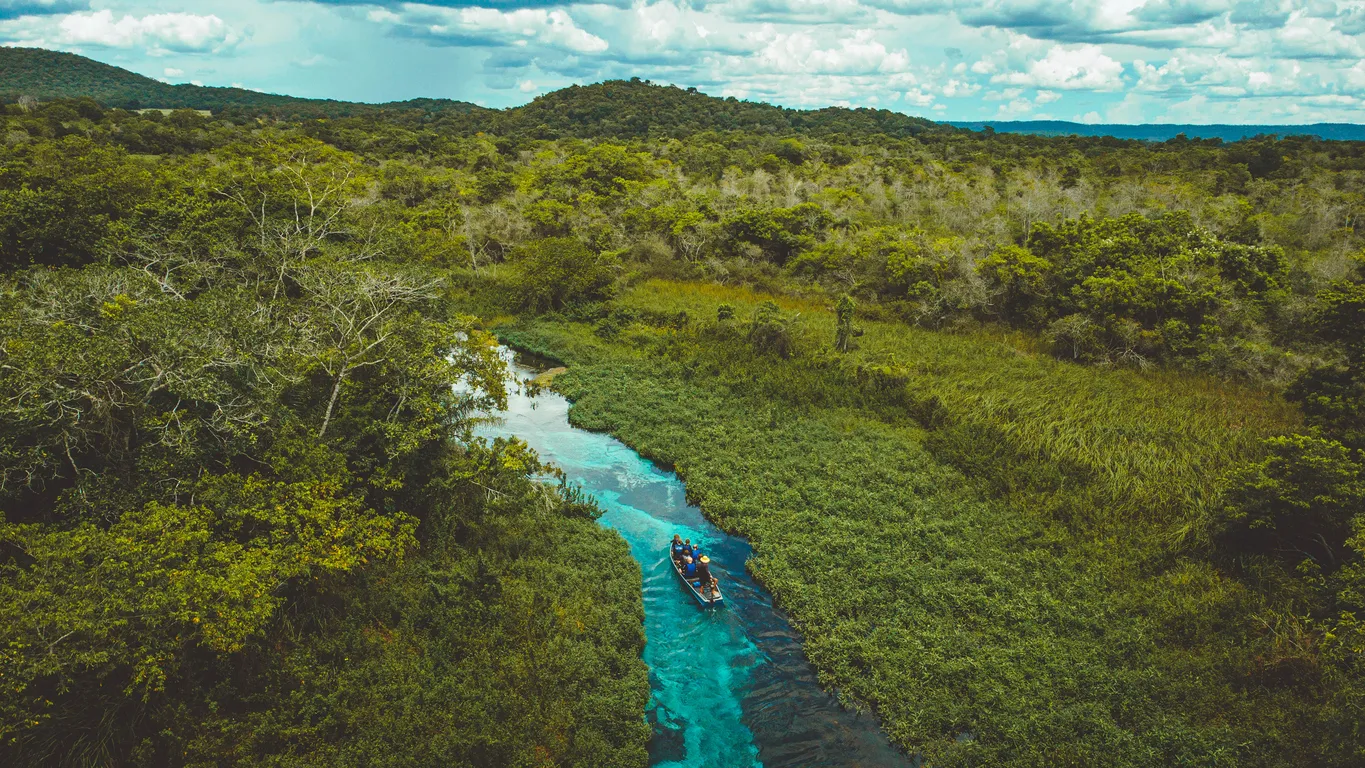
730,686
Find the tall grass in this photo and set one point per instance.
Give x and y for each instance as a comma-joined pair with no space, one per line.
1150,444
948,522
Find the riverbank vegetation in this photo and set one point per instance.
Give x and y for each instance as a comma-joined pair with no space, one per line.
947,523
1052,447
243,519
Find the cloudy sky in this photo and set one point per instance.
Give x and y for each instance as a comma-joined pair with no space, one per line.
1200,61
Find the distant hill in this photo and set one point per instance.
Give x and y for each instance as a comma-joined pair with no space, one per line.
1164,131
49,75
615,109
635,108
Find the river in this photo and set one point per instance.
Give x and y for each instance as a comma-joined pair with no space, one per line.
731,687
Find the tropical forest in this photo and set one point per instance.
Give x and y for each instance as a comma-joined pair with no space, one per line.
1023,450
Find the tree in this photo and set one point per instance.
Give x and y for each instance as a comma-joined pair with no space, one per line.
1022,281
771,331
298,197
59,200
1298,502
1332,395
555,272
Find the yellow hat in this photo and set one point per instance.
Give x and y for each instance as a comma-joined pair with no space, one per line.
705,559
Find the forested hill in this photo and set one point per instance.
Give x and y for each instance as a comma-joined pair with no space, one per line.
635,108
615,109
47,75
1167,131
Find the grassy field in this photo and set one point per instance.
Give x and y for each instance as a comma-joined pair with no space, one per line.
982,544
1152,443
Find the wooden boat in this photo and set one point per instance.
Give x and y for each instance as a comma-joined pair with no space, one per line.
717,599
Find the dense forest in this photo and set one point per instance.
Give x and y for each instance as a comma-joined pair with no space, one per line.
1051,447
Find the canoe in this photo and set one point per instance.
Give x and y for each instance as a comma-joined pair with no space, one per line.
696,593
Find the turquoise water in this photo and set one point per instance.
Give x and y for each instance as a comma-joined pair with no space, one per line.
730,685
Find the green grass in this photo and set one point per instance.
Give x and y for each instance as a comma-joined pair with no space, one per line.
989,616
1152,443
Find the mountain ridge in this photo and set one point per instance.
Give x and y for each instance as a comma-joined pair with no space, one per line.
47,75
615,109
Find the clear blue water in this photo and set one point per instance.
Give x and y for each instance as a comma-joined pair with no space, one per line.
730,685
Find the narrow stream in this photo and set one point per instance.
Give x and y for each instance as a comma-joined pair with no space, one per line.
730,685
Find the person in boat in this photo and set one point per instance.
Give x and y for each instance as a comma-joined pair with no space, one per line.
706,581
677,547
689,568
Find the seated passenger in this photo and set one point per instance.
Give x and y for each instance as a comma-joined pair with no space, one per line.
689,567
704,577
677,547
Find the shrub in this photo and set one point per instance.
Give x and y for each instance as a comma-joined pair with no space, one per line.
1295,504
555,272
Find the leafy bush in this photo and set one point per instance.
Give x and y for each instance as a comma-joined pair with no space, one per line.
556,272
1297,503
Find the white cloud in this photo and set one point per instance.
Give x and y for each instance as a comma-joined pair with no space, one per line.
1306,37
1222,76
960,88
158,33
491,27
800,52
919,97
1181,11
1086,67
1015,108
173,72
1046,97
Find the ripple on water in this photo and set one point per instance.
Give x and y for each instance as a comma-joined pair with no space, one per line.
730,686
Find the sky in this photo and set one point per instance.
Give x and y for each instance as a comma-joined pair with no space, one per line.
1111,61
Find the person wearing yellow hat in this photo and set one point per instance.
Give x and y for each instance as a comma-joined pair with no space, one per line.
704,578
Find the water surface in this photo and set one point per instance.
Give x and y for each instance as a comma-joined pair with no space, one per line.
731,687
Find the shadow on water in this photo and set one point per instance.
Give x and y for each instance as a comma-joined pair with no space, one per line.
730,686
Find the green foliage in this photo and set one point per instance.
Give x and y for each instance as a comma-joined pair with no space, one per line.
556,272
980,630
1022,280
1333,395
239,350
771,332
779,233
242,516
1297,503
58,200
1132,288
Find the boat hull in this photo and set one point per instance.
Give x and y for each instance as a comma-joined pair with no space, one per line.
719,599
